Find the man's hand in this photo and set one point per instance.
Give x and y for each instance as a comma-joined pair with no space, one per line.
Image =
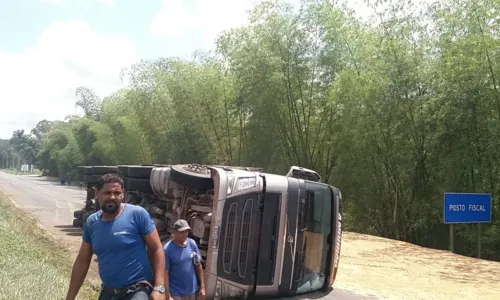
155,295
203,295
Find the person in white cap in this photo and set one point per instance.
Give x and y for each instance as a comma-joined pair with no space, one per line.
183,268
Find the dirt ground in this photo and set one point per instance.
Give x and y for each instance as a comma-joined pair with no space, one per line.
399,270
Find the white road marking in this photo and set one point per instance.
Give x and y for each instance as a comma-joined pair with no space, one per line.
47,193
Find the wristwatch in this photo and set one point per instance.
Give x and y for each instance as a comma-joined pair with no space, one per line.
160,289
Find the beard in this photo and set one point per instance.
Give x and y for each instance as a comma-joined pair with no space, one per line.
110,207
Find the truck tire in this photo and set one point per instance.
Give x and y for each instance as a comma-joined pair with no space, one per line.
87,170
123,171
192,176
139,172
101,170
139,184
77,223
87,179
159,180
78,214
91,179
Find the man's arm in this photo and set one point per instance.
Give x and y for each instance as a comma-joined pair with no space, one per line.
80,269
156,250
148,230
199,272
167,275
167,286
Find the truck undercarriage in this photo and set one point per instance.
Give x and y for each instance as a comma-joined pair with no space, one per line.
167,192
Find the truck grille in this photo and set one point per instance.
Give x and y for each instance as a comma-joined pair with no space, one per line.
229,237
244,237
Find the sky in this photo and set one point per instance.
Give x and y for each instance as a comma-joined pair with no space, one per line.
48,48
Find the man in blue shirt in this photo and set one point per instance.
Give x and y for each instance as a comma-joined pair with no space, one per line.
118,234
183,267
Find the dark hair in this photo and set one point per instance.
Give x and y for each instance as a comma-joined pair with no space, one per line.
109,178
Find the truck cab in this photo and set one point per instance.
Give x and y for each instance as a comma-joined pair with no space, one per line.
260,235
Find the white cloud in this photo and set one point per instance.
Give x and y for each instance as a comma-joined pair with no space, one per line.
214,16
40,83
211,17
173,20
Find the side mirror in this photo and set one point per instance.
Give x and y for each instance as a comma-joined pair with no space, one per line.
303,173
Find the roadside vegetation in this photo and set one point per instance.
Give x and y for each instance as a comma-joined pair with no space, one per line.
394,111
32,264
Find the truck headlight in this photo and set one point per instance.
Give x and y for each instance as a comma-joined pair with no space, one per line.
228,291
233,292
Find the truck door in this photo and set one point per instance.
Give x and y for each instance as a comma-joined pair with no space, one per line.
239,235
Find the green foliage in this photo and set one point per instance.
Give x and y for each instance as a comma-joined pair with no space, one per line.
394,111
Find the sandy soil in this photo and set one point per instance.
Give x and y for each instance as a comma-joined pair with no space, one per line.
399,270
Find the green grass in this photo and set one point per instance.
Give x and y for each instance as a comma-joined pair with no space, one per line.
32,264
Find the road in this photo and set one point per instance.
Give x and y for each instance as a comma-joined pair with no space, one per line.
53,205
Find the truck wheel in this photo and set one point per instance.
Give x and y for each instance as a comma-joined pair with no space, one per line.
77,223
78,214
159,180
101,170
194,176
139,184
87,179
91,179
87,170
123,171
139,172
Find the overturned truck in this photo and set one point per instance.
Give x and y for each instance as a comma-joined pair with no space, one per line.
260,235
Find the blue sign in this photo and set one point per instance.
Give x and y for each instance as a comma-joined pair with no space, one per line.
467,208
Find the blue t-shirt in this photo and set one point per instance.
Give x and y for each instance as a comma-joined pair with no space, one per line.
120,247
180,267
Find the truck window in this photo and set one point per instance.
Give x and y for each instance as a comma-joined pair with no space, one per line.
314,249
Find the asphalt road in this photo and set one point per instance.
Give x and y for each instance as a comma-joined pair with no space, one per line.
53,205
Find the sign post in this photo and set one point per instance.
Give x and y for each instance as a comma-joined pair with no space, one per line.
460,208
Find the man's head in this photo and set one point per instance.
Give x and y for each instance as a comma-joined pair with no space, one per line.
109,192
181,230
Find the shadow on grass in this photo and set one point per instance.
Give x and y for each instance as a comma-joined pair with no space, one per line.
63,226
70,230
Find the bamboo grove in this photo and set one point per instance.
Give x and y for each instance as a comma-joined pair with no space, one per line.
394,111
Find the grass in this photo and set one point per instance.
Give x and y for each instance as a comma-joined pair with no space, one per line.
32,263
